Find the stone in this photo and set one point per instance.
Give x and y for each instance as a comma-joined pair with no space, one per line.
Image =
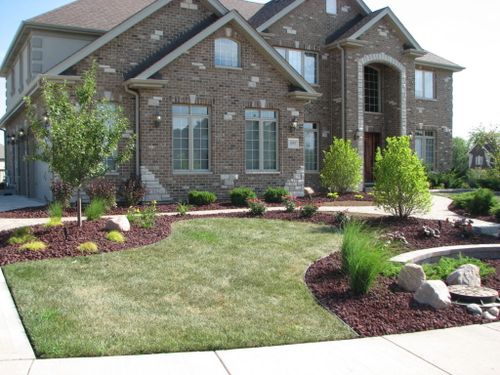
308,192
487,316
468,274
494,311
474,309
433,293
119,223
411,277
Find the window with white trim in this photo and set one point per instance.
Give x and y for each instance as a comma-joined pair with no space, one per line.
305,63
372,90
261,140
311,148
331,6
227,53
425,147
424,84
479,161
190,132
110,161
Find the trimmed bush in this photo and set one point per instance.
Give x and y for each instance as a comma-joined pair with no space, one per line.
495,211
257,207
102,189
62,192
201,198
88,247
132,191
275,195
115,236
484,178
95,209
34,246
477,202
240,196
21,236
290,203
333,196
308,210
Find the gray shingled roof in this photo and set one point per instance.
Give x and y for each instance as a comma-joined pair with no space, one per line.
246,8
351,27
269,10
432,59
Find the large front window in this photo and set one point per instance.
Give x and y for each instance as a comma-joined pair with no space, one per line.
424,84
227,53
261,140
425,147
372,90
331,6
311,146
110,161
306,63
190,138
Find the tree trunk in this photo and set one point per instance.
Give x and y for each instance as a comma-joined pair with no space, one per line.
79,206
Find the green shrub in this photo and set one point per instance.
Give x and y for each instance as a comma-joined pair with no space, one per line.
363,257
257,207
145,218
275,195
341,167
55,210
290,203
481,202
359,196
445,266
342,218
95,209
446,180
201,198
34,246
333,196
391,269
54,222
88,247
183,208
240,195
115,236
462,200
21,236
308,210
484,178
495,211
401,185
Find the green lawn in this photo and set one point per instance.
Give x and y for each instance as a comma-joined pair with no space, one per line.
214,284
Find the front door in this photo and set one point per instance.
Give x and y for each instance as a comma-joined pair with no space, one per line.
372,141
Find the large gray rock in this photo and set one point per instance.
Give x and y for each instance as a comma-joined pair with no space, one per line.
411,277
468,274
487,316
119,223
474,309
434,293
494,311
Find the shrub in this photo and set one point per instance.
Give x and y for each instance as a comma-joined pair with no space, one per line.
34,246
55,210
54,222
363,257
308,210
115,236
132,191
145,218
21,236
495,211
201,198
240,196
342,218
290,203
62,192
333,196
275,195
257,207
102,189
401,185
445,266
481,202
485,178
391,269
359,196
95,209
88,247
446,180
183,208
341,167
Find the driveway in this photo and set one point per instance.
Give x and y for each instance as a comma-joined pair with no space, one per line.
15,202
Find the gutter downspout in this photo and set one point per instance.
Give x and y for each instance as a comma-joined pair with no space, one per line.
342,85
135,94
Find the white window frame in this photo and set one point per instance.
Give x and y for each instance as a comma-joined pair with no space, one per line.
261,121
111,160
315,131
479,160
191,118
424,136
379,89
285,53
238,54
331,6
424,87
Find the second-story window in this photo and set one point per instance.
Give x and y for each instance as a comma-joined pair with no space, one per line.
424,84
227,53
372,90
331,6
306,63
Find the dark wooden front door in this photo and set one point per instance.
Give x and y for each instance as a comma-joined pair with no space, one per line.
372,141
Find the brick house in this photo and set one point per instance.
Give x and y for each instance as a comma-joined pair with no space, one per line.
234,93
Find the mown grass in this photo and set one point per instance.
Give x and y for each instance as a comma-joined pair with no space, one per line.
214,284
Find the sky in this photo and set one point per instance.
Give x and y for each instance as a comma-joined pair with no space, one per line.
459,30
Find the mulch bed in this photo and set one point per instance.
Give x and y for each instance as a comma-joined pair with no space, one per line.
464,213
386,309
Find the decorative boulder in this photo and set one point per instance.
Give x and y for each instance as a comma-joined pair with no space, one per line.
434,293
308,192
474,309
119,223
411,277
487,316
468,274
494,311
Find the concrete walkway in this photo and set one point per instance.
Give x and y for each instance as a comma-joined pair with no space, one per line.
15,202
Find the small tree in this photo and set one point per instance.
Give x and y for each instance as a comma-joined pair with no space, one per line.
401,185
460,156
81,133
341,170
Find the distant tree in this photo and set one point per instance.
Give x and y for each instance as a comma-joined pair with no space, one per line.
341,170
401,185
460,156
81,133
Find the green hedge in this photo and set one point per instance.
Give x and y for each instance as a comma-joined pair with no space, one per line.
201,198
240,195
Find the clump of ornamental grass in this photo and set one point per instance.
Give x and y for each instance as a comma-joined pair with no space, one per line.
115,236
34,246
88,247
21,236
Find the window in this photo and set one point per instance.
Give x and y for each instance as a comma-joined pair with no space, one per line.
13,82
425,147
311,146
227,53
372,90
479,161
306,63
331,6
110,161
21,73
424,84
261,133
190,138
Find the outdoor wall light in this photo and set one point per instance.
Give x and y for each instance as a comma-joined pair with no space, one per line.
295,123
358,133
45,118
158,119
21,133
12,138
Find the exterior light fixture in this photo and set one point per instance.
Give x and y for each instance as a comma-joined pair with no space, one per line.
358,133
12,138
21,133
45,118
295,123
158,119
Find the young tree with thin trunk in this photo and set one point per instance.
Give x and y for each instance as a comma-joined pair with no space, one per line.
81,132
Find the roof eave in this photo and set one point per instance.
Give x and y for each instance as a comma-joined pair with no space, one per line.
136,83
453,68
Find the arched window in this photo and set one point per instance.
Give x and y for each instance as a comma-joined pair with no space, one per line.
227,53
372,90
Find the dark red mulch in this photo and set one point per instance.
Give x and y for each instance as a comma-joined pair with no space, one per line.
464,213
386,309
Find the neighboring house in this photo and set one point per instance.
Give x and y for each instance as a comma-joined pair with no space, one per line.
2,163
480,157
233,93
